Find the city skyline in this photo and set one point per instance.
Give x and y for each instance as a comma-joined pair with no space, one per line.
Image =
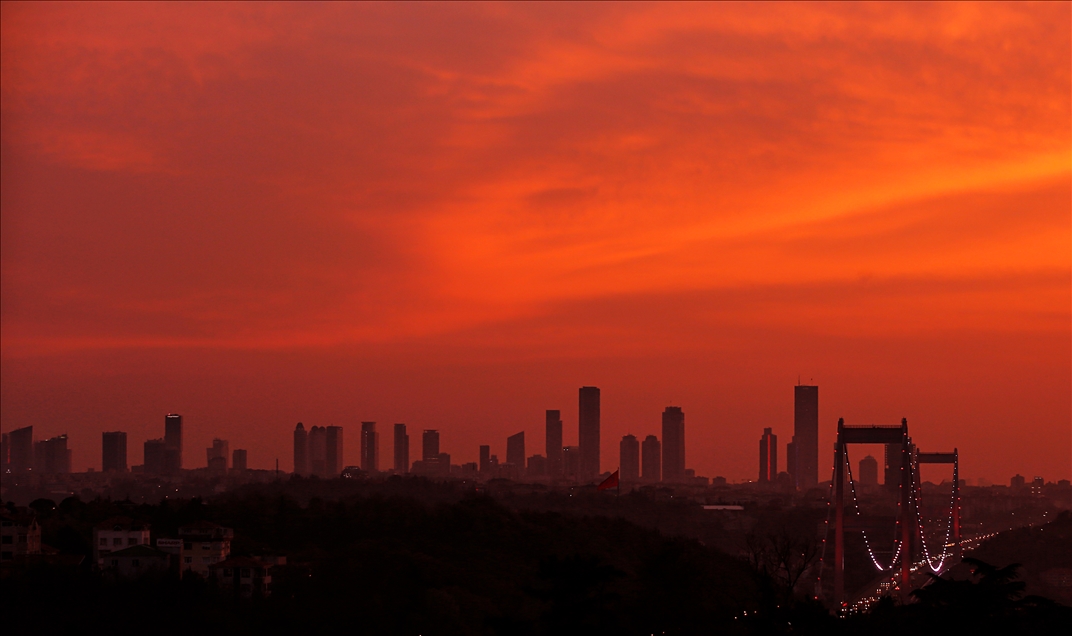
333,456
455,215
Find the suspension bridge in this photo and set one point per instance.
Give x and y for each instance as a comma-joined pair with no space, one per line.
912,550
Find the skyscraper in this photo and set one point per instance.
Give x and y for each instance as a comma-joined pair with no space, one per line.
155,455
651,455
485,459
301,450
515,452
318,450
673,444
173,442
553,443
629,459
401,449
768,457
369,448
806,435
430,445
52,457
22,451
333,462
114,452
239,460
218,455
869,471
791,461
588,432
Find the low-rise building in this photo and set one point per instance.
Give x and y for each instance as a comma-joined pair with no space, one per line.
204,544
243,576
115,534
20,535
135,562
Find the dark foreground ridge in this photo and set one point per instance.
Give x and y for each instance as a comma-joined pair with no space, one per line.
410,564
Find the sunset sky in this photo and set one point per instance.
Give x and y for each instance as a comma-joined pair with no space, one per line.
454,215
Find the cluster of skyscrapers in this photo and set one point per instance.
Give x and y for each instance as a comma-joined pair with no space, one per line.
20,453
319,451
802,453
651,461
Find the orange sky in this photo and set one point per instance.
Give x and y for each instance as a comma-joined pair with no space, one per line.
456,215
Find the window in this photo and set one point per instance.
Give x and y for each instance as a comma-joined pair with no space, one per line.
227,572
8,539
104,540
136,562
187,559
115,563
245,573
7,556
132,541
117,541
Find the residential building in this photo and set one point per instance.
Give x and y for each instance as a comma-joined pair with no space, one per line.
243,576
203,544
115,534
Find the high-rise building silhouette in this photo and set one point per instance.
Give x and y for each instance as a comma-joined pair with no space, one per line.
318,451
370,451
239,460
173,440
218,455
21,451
52,457
485,459
791,462
588,431
673,444
515,452
869,471
768,457
333,456
571,461
401,449
629,459
155,457
114,452
651,456
301,450
537,466
430,445
806,435
553,443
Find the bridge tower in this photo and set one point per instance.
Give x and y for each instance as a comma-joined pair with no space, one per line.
897,435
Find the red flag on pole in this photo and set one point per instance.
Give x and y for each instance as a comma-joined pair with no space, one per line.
609,482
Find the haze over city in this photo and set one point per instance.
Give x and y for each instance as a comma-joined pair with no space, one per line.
454,216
